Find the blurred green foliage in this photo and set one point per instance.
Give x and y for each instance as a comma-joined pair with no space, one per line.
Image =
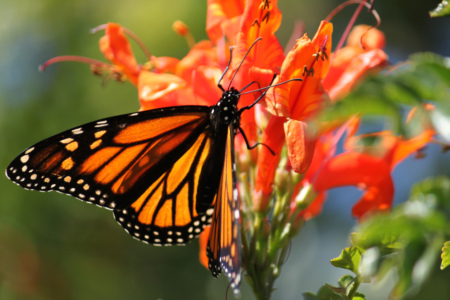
53,247
406,242
442,10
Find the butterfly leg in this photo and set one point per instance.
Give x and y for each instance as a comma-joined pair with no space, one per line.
260,97
255,144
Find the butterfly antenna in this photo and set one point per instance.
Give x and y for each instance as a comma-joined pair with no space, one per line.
242,61
269,86
226,69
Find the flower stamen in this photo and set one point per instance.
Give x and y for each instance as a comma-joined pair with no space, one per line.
266,17
183,30
256,23
308,72
93,62
353,19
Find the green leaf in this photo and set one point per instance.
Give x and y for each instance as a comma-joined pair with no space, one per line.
346,280
442,10
434,193
359,296
425,77
445,255
349,259
309,296
326,292
409,239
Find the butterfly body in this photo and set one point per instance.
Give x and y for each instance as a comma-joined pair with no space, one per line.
165,173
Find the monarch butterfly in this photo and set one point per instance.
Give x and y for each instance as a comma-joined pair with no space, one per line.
166,173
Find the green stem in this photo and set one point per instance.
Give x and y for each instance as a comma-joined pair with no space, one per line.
354,287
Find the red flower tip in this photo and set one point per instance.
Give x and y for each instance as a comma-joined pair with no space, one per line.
183,30
180,28
366,37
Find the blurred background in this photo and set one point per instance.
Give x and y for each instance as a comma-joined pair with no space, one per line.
54,247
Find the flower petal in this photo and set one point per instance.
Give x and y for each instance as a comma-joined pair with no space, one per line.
203,54
300,100
162,90
300,142
203,242
315,208
223,17
349,66
117,49
367,37
375,199
267,162
164,64
364,171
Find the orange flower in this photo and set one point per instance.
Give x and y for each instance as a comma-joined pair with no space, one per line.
116,48
325,149
194,82
203,243
370,168
363,54
307,60
223,18
298,101
162,81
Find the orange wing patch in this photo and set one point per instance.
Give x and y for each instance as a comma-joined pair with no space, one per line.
172,186
142,131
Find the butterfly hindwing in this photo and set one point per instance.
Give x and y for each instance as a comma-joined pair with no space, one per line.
224,248
168,213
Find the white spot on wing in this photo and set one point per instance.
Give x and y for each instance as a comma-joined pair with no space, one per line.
29,150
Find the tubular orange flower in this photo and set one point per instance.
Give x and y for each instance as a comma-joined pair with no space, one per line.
325,149
361,170
116,48
363,54
194,81
298,101
260,20
371,169
203,243
307,60
268,162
